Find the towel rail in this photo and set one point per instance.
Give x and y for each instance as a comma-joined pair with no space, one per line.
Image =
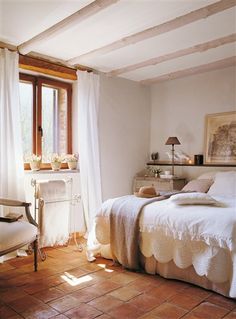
40,202
76,198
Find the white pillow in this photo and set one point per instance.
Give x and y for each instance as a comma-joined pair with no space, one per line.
224,185
208,175
198,185
194,199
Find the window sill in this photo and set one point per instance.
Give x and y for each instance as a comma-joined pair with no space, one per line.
50,171
45,166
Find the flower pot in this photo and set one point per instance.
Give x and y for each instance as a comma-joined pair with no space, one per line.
72,165
55,166
35,165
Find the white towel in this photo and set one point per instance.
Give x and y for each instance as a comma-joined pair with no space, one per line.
52,190
54,217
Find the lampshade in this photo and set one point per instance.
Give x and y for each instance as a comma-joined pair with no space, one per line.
172,140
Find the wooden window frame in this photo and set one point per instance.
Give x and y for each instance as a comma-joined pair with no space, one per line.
37,83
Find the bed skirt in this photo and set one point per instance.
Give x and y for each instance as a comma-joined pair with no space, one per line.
171,271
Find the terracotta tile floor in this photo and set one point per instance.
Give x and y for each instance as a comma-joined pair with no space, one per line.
67,286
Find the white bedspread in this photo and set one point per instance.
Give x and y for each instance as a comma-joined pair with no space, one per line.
213,225
198,235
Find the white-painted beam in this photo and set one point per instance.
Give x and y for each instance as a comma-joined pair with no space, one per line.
65,24
165,27
220,64
4,45
177,54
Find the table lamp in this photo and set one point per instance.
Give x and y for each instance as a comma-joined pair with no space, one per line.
172,140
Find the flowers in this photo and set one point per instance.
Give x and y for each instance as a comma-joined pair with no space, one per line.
153,169
34,161
55,158
33,158
72,158
56,161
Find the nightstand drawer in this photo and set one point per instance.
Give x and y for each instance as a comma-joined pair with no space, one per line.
161,185
164,185
140,183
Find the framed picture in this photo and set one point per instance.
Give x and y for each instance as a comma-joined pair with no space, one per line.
220,138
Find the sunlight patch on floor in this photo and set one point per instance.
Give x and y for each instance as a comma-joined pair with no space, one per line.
104,267
74,281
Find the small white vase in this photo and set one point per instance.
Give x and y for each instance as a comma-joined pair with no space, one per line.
72,165
35,166
55,166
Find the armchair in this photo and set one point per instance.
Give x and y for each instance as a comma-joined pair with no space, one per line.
20,233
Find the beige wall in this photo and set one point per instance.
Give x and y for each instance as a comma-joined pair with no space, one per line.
178,108
124,119
124,133
129,129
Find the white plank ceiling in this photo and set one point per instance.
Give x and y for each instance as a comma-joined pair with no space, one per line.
182,35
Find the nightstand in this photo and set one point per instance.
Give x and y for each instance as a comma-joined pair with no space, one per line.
160,184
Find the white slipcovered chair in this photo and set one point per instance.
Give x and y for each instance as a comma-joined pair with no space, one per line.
19,233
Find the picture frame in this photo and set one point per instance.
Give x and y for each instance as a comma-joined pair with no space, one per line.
220,138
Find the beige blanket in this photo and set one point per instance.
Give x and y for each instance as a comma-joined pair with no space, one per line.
124,228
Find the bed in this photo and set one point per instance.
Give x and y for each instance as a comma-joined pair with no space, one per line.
191,239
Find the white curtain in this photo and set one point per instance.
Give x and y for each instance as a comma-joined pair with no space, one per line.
88,145
11,156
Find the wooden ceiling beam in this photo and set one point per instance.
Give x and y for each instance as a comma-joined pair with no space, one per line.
42,65
57,61
65,24
177,54
45,64
220,64
165,27
46,67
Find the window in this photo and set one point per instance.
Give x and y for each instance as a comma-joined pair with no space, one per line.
45,116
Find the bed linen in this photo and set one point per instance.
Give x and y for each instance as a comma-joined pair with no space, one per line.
124,225
197,237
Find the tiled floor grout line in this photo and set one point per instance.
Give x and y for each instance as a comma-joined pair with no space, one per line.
48,290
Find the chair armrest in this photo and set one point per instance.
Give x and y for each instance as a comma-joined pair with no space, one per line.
29,216
12,202
16,203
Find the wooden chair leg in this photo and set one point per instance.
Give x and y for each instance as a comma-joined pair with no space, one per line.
36,254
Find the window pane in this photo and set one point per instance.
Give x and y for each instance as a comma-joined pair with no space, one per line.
26,110
54,121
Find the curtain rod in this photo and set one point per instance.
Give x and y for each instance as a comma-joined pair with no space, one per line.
37,58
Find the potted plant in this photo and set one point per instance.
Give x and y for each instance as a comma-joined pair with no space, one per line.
72,160
34,161
56,161
154,170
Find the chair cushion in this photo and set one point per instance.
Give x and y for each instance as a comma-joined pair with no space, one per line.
16,233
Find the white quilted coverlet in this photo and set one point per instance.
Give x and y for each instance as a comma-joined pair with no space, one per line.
198,235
